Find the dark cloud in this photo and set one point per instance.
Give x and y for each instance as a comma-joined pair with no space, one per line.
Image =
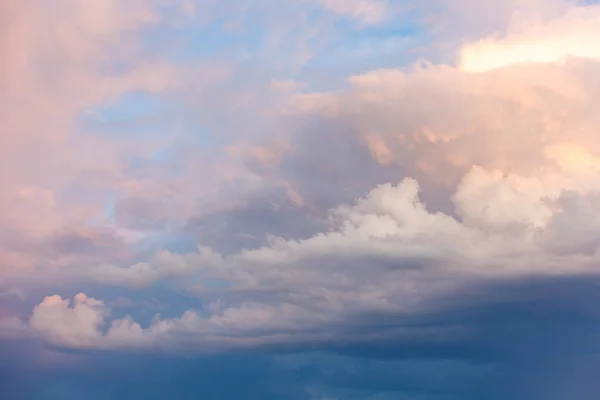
532,338
250,226
142,214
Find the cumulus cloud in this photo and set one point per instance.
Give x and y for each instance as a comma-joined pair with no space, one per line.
384,254
429,231
404,186
511,147
74,326
85,324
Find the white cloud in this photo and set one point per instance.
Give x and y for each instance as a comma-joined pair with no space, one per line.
531,40
385,253
85,324
72,326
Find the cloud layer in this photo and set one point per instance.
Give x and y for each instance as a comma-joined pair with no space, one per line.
201,177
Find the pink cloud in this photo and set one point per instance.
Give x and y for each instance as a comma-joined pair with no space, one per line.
54,68
508,133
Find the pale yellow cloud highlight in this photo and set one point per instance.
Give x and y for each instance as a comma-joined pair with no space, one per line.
575,34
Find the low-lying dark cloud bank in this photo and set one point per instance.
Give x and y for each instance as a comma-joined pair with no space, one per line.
524,339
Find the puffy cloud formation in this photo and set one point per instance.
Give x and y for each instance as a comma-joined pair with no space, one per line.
73,326
366,194
290,214
384,254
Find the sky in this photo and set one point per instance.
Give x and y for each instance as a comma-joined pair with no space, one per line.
299,199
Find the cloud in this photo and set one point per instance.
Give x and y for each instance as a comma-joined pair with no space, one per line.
367,11
384,254
12,328
570,35
525,338
74,326
424,214
90,54
82,325
164,265
13,292
453,22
